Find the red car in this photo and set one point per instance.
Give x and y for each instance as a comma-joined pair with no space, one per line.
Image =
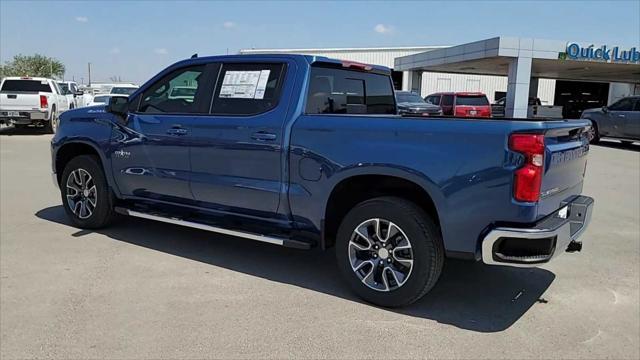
462,104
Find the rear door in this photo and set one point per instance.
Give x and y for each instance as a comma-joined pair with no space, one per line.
236,151
150,154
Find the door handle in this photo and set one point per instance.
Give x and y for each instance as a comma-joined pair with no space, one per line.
178,131
263,136
621,115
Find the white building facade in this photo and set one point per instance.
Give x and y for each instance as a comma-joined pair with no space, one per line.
430,82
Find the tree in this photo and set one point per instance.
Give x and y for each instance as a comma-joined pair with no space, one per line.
35,65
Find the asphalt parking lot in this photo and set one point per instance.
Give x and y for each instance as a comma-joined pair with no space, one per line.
141,289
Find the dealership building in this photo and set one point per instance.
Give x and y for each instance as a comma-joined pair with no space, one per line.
574,75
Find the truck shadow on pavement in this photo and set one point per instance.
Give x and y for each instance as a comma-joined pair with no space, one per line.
469,295
618,145
11,131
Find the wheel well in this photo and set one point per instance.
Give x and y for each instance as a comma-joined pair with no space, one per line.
68,152
354,190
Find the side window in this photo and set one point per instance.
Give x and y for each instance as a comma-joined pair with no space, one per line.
622,105
177,92
637,108
338,91
447,100
435,100
247,89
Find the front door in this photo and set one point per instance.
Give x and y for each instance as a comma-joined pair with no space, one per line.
617,115
236,153
150,154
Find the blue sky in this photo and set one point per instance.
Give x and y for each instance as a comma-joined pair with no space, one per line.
135,40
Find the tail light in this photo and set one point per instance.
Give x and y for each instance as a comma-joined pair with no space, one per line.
528,178
44,103
356,65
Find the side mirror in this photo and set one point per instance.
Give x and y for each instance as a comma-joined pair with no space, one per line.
118,105
78,93
605,109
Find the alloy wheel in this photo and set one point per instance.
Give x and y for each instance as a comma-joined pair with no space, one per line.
380,254
82,196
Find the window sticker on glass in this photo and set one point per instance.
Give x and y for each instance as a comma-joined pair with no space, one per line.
244,84
262,84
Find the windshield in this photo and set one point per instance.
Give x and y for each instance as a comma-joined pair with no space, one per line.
410,98
101,99
474,100
123,90
26,86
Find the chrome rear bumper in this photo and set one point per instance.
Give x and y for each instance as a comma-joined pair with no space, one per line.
532,246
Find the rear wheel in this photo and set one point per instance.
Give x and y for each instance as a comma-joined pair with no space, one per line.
51,126
86,197
389,251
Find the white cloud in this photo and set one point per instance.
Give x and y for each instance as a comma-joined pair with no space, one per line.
82,19
161,51
383,29
228,24
114,50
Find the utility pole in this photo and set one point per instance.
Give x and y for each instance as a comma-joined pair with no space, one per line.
51,68
89,74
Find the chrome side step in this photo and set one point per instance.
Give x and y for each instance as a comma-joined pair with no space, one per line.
251,236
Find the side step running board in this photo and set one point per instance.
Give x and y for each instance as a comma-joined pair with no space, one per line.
252,236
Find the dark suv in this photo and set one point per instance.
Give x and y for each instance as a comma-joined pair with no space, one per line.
620,120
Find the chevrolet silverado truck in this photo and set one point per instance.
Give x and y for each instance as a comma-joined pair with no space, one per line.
303,152
28,101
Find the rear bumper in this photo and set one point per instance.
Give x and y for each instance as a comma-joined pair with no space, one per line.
24,117
551,236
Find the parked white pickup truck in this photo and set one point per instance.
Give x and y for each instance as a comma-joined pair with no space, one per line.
28,101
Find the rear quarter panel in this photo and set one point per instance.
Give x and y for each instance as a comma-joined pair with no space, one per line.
464,165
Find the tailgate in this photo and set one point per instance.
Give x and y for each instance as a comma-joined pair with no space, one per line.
19,101
566,149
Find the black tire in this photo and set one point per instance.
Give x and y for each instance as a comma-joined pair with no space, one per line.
103,211
51,125
595,134
425,241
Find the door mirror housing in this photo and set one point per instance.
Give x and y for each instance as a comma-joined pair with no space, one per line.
78,93
118,105
605,109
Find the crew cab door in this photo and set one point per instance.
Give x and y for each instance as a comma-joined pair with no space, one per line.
150,153
632,122
237,151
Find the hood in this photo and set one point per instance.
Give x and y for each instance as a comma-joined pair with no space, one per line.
592,110
83,112
420,105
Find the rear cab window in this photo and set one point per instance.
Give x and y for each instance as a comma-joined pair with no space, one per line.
472,100
26,86
338,91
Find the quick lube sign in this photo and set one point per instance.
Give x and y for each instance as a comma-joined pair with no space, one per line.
603,53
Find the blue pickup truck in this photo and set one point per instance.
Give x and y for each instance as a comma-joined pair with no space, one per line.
304,152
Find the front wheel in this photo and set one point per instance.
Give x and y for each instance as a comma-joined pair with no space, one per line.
389,251
594,134
86,197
